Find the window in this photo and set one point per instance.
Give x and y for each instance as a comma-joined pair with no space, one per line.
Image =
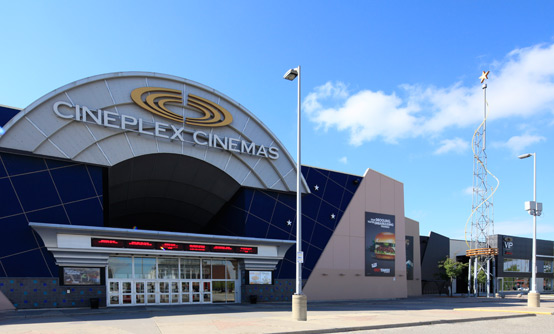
190,268
515,284
145,267
544,266
516,265
168,268
218,267
207,268
120,267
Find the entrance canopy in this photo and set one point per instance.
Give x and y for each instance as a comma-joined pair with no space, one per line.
87,246
108,119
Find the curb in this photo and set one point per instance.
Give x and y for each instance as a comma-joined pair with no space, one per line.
403,325
504,311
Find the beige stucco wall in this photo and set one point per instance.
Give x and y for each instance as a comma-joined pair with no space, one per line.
340,271
414,286
5,303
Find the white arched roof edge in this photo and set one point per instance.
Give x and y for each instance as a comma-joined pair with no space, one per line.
281,180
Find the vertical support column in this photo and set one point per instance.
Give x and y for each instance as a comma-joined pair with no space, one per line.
495,281
488,277
469,278
475,282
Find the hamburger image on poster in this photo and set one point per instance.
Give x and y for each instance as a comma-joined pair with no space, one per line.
380,250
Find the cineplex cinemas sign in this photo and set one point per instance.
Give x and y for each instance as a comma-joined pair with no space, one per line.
154,100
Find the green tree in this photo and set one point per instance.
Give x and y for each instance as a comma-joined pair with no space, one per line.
451,269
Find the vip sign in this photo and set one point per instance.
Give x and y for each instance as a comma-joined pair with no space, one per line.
507,245
155,100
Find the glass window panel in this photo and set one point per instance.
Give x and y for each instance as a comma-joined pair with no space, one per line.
126,287
114,300
508,283
516,265
218,291
120,267
151,299
174,287
206,269
207,297
232,266
127,299
546,266
207,287
174,298
151,287
195,297
185,298
190,268
218,269
164,299
114,286
168,268
145,267
164,287
547,284
230,292
184,286
139,286
195,286
139,299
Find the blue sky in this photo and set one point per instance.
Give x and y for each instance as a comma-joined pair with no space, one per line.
387,85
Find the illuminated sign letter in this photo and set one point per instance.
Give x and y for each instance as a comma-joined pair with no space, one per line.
57,110
273,153
108,119
195,137
262,151
177,133
161,127
248,148
127,120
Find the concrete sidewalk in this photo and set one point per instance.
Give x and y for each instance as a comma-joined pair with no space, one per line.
323,317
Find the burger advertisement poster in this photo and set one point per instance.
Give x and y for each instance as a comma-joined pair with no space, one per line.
380,244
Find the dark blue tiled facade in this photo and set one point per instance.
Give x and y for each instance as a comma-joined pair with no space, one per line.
36,189
262,214
41,190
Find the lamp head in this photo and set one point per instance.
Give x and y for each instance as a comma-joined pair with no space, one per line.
526,155
291,74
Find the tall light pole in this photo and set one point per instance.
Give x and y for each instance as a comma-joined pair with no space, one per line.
299,301
535,209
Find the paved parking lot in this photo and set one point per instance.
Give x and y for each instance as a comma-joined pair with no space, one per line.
323,317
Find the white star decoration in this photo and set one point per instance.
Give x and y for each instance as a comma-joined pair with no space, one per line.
316,187
289,223
332,216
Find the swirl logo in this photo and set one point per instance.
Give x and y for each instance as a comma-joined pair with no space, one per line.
214,115
156,100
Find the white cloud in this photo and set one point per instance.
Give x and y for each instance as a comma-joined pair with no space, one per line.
468,191
456,145
518,144
521,85
344,160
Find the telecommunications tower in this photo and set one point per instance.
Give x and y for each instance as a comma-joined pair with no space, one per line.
480,249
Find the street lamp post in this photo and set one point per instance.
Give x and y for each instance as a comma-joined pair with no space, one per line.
299,300
535,209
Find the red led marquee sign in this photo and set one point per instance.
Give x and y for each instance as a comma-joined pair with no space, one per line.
171,246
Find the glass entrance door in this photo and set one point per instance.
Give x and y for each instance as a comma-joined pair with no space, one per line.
120,292
164,281
169,292
145,292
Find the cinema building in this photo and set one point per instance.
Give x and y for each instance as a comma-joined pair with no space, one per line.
141,188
